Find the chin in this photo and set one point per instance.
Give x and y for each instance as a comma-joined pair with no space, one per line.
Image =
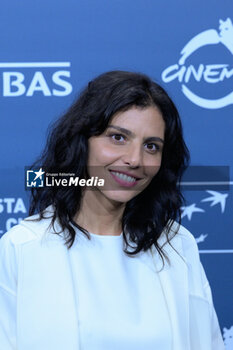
120,196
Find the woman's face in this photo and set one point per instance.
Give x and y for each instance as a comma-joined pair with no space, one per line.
128,154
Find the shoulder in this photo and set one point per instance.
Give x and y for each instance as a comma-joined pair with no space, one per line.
26,236
178,234
28,230
186,237
183,253
181,241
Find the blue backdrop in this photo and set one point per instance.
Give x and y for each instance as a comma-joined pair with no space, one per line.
51,49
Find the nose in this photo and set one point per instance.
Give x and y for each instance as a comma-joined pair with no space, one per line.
133,156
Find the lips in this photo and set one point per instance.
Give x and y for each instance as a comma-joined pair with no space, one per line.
124,179
126,173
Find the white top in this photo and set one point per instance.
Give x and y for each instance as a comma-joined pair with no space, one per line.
120,300
78,299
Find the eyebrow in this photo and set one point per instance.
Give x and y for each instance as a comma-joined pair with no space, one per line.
130,133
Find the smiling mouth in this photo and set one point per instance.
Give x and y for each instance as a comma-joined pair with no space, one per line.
123,179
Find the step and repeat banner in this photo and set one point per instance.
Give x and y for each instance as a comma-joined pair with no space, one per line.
51,49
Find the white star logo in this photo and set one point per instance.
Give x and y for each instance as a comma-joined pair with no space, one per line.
216,198
189,210
201,238
38,174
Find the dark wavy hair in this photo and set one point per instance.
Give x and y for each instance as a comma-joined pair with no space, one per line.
156,208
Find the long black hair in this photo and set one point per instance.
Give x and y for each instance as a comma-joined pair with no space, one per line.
156,208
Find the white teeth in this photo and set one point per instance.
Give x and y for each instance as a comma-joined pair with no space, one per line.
124,177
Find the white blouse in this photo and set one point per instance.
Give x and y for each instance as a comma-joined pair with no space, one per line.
94,297
120,301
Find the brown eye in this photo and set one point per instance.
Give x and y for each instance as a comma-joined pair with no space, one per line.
152,147
117,137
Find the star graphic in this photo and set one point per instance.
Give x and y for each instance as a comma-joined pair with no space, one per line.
189,210
216,198
201,238
38,174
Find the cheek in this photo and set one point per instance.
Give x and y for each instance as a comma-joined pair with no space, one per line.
100,154
108,153
153,165
153,171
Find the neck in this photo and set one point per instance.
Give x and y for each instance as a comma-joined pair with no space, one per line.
99,215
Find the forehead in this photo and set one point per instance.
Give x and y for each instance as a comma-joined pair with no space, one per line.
149,118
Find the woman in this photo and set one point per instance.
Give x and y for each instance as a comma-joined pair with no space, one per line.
109,267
